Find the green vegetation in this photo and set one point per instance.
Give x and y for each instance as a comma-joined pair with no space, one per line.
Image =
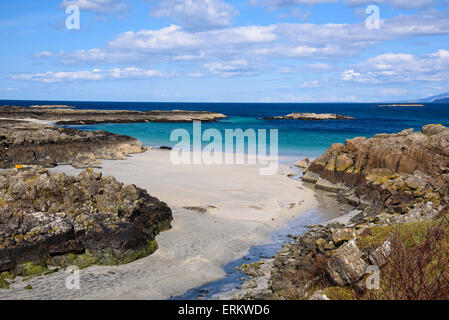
410,234
254,265
339,293
87,259
5,280
31,270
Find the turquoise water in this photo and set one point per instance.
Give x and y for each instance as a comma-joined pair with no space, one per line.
296,138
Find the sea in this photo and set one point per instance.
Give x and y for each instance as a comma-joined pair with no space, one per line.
296,139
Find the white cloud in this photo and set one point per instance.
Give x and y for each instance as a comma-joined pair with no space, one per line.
393,91
311,84
99,6
348,75
43,54
231,68
92,75
401,68
257,43
196,14
312,67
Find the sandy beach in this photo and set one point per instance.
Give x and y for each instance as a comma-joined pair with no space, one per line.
219,211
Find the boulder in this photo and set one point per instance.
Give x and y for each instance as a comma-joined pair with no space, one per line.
310,177
304,163
380,255
325,185
49,218
346,266
343,235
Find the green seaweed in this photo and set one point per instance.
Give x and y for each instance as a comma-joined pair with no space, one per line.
31,270
87,258
339,293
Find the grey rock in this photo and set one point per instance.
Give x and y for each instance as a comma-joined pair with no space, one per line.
346,266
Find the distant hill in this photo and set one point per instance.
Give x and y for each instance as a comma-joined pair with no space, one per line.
445,100
441,98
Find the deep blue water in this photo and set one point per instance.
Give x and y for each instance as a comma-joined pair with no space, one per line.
296,138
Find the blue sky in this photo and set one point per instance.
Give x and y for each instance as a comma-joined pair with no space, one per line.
224,51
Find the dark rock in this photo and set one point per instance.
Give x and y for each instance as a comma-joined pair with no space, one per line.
389,172
23,143
50,218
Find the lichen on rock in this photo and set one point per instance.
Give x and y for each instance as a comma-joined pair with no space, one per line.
54,219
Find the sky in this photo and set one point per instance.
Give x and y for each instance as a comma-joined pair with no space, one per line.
224,50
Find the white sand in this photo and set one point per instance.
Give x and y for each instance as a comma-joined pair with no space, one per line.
37,121
244,207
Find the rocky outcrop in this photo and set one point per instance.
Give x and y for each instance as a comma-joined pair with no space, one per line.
300,265
309,116
392,173
55,219
304,163
334,261
31,143
63,115
400,185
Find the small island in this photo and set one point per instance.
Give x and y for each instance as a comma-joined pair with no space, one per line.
309,116
66,115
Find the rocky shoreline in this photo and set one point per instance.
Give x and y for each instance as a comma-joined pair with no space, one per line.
399,184
50,220
28,143
310,116
64,115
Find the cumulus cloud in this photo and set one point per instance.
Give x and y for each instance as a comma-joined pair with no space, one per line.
196,14
90,75
256,43
215,51
231,68
400,68
98,6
